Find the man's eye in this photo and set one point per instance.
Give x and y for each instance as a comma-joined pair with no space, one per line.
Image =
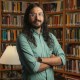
40,14
32,14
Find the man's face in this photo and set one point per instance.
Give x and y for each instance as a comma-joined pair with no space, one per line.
36,17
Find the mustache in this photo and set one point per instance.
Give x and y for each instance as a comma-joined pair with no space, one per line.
37,21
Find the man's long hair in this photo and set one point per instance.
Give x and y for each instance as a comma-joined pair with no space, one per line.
27,27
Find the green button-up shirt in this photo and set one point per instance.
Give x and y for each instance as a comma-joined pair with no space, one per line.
28,54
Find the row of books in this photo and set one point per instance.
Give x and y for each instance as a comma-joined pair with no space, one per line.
58,67
58,33
20,6
55,20
72,50
10,35
9,67
72,34
73,65
15,6
72,4
12,20
13,72
73,19
53,6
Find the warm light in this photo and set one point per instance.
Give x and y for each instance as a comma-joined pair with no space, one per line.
10,56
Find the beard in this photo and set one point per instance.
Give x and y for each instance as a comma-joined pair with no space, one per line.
36,24
36,27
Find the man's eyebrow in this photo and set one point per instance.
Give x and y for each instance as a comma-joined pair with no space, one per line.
34,12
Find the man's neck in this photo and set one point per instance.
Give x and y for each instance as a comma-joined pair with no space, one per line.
38,30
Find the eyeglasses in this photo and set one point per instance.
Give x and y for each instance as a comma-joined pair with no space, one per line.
33,15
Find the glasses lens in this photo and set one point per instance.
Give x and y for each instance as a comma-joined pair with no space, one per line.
34,15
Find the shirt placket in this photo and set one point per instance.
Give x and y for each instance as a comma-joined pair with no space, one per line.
42,54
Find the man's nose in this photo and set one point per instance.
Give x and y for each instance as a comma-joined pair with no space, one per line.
37,16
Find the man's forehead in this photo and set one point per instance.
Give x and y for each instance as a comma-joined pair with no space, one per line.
36,10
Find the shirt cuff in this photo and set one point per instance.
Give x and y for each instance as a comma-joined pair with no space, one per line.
37,66
63,60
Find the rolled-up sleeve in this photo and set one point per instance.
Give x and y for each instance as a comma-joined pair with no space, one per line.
58,50
26,54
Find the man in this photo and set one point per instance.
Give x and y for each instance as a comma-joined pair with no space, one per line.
38,49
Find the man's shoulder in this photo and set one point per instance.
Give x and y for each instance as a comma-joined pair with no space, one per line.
21,35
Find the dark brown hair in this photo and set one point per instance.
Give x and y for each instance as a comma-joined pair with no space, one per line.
27,27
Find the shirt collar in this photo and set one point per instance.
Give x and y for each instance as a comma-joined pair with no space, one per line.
35,32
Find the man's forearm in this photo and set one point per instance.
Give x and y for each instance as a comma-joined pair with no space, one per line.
48,62
43,67
53,60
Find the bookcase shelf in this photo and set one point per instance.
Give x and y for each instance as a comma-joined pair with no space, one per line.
12,27
73,26
73,11
68,73
63,18
10,69
72,42
53,13
15,13
73,57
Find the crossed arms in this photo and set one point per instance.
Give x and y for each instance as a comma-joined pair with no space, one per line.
49,62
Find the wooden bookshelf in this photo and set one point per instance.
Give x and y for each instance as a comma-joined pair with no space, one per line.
11,18
70,32
64,22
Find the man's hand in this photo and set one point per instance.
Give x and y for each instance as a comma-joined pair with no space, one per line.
52,56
